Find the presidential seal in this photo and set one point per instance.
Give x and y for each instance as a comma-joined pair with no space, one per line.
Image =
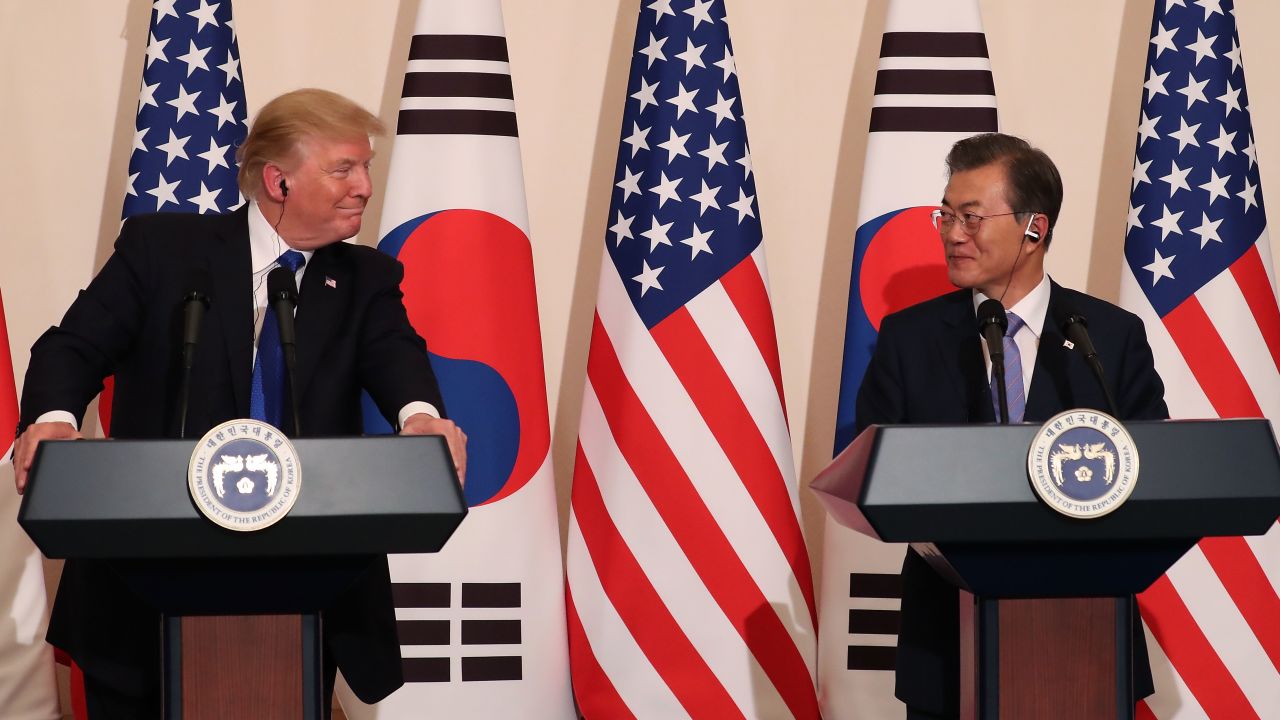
244,475
1083,463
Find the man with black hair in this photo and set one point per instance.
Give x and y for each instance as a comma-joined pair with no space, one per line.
930,365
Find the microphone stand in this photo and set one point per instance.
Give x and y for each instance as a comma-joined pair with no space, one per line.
282,293
196,303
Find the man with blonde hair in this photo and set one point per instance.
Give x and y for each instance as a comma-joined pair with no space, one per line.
304,168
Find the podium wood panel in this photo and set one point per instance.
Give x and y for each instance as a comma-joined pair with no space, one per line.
260,656
1057,658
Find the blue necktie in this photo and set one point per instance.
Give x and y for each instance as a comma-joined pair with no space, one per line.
266,393
1014,394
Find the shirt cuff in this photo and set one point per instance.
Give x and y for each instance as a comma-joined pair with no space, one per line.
414,408
59,416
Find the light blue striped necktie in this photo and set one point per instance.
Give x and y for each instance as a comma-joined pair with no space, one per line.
1014,394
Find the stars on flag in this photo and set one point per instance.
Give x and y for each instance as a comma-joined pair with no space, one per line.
191,97
1160,267
1206,211
657,235
684,170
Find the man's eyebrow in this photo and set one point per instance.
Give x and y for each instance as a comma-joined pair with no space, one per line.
347,161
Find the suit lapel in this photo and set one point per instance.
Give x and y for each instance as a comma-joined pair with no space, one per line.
232,271
1050,391
960,359
326,285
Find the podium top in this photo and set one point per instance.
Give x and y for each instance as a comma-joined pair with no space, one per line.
128,499
968,483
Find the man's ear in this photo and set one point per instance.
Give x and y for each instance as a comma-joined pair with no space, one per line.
274,182
1037,228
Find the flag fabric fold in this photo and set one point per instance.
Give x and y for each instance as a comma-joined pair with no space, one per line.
27,687
690,586
933,87
1198,270
481,623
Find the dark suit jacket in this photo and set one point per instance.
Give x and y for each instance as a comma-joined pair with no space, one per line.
352,334
928,367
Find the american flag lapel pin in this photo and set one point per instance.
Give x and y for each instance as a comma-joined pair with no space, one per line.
330,282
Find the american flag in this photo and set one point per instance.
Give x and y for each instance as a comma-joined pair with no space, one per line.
191,112
690,588
1199,272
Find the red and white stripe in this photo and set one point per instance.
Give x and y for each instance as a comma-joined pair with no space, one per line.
691,592
1214,613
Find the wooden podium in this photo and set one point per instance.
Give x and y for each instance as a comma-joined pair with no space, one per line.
241,610
1049,634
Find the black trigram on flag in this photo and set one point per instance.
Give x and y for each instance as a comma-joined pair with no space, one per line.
457,85
873,620
476,637
934,82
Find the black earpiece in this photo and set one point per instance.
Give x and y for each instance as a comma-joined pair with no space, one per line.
284,187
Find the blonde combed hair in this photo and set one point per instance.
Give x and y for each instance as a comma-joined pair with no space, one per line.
285,122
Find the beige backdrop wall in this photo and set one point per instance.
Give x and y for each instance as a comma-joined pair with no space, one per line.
1068,76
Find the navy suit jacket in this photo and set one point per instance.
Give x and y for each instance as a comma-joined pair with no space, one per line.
353,334
928,367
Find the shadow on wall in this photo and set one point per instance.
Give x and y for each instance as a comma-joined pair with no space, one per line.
136,25
833,293
604,156
388,111
1115,170
134,32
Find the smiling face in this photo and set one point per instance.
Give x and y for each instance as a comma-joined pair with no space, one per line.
329,187
995,256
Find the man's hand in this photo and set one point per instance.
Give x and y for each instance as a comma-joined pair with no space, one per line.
24,450
424,424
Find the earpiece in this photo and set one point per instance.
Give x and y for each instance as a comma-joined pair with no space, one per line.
1030,232
284,187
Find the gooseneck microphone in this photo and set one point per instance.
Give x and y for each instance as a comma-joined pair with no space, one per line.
992,322
282,296
1076,328
194,303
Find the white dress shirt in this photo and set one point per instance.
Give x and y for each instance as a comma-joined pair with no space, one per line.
1032,309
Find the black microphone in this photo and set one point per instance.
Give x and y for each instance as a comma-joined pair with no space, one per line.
1076,328
282,295
992,323
194,302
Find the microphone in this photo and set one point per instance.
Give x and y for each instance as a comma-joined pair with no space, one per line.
282,295
1076,328
992,322
194,302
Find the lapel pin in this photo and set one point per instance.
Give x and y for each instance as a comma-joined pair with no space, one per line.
1068,345
330,282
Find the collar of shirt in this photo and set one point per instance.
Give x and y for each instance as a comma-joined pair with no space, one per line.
1033,308
265,245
